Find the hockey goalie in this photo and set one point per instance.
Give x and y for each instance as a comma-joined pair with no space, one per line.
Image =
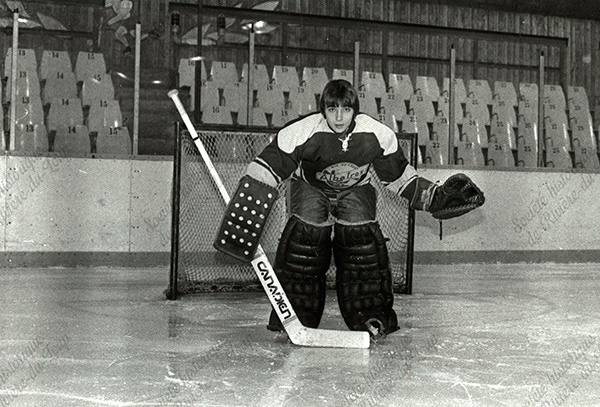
328,155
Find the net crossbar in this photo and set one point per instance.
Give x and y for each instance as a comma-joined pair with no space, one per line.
198,209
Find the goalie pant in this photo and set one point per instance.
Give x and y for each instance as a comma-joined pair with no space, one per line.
363,276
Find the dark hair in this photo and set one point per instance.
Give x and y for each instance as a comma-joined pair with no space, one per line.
339,92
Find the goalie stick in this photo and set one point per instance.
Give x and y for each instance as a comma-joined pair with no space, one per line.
297,333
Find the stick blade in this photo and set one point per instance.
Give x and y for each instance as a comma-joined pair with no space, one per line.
327,338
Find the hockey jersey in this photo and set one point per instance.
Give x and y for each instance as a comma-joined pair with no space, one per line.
309,149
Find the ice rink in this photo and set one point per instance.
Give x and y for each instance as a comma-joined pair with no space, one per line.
471,335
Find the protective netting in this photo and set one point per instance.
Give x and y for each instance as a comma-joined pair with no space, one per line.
200,268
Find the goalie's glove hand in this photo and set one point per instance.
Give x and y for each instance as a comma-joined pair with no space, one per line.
455,197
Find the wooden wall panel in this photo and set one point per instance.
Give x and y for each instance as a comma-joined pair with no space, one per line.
583,35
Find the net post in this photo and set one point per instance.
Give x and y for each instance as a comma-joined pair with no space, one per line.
173,272
410,242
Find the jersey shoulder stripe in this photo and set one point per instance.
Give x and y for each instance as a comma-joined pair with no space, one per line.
298,132
385,135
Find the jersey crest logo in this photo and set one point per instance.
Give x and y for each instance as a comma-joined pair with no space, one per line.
342,175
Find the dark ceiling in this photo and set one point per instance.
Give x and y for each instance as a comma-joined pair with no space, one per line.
585,9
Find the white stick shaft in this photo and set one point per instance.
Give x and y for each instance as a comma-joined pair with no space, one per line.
190,127
261,264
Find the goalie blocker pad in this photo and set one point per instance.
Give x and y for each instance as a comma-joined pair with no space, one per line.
245,218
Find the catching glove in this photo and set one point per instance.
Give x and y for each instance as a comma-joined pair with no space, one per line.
455,197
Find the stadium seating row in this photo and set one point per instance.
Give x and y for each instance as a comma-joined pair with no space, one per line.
87,64
56,105
500,121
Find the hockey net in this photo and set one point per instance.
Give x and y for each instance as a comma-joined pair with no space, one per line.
198,209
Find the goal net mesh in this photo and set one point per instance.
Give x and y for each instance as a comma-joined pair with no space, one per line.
198,267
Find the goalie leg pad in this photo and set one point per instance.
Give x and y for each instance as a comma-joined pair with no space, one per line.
363,278
302,259
245,218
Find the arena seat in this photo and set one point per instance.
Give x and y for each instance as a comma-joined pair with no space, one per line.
556,135
99,86
477,109
186,71
64,111
27,84
527,145
401,85
427,85
280,117
367,100
558,157
586,157
259,117
500,155
554,95
469,153
528,111
53,62
480,90
26,61
314,79
286,77
261,76
104,113
580,118
436,152
443,108
271,98
422,105
504,111
411,123
577,96
583,132
29,110
31,138
529,92
210,95
394,108
59,85
234,96
113,140
459,89
72,140
215,114
502,132
89,64
391,120
346,74
222,72
3,145
302,101
555,114
578,113
506,92
474,132
373,82
441,130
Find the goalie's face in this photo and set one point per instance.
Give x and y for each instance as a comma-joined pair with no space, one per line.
339,118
